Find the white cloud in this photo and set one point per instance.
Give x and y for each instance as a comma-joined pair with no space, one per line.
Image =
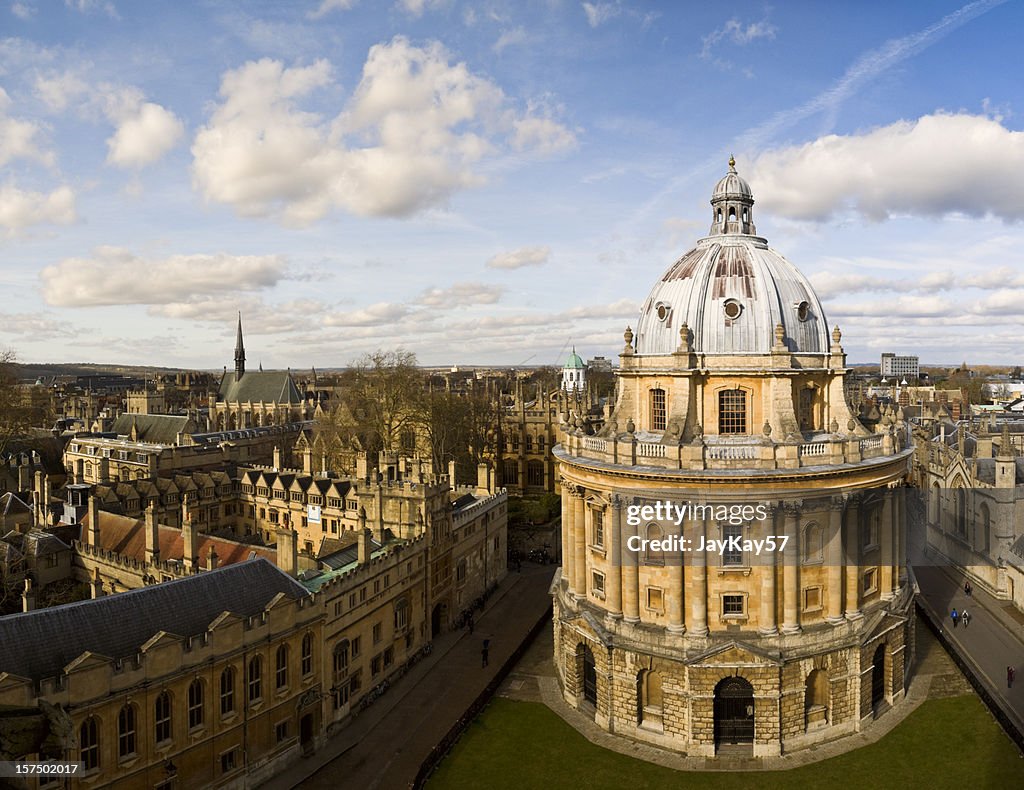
115,276
460,295
20,209
1005,301
88,6
34,326
517,259
738,33
599,13
937,165
378,314
408,138
900,306
417,7
144,135
18,137
23,11
59,90
326,6
999,277
508,38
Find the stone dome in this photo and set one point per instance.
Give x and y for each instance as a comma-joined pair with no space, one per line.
732,290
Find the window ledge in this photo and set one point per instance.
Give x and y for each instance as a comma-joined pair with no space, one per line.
600,550
743,570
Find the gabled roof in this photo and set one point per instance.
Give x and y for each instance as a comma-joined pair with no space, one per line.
153,428
40,643
11,504
259,387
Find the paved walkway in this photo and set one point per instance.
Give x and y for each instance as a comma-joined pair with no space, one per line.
993,641
385,745
935,676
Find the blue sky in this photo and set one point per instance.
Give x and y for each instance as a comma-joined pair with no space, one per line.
490,182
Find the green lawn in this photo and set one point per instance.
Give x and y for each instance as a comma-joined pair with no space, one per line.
946,743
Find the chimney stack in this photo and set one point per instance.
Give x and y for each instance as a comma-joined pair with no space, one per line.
287,551
277,458
212,562
190,555
152,535
364,547
28,597
93,536
96,584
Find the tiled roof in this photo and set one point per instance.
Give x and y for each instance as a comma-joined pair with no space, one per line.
259,386
153,428
127,537
40,643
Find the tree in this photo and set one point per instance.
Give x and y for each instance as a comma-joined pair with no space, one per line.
17,414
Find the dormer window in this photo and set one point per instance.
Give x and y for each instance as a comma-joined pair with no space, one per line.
663,311
732,309
803,311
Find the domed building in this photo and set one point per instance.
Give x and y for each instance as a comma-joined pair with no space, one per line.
734,546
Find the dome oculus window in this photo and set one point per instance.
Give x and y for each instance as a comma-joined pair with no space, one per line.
732,308
662,311
803,311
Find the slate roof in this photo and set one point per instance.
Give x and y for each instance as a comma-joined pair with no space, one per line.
38,644
11,504
257,386
347,555
153,428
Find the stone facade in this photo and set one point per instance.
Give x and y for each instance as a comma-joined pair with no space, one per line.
761,650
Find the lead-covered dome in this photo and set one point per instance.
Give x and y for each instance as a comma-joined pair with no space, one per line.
732,290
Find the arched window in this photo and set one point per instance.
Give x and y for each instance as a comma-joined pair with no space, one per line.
227,691
195,704
732,411
649,708
126,731
986,528
281,667
961,511
659,410
340,659
255,679
732,213
162,717
813,543
535,474
510,472
816,699
89,744
307,654
654,556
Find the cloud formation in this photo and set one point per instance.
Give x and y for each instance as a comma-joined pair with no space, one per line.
18,137
144,131
599,13
939,164
326,6
407,139
460,294
517,259
21,208
737,33
116,276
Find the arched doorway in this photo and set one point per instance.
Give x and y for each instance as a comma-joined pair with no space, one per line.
438,618
816,699
878,678
734,712
589,675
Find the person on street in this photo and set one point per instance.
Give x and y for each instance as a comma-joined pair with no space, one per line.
966,617
1011,673
955,617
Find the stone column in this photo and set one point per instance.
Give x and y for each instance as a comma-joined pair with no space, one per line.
629,567
568,549
614,538
579,528
834,558
769,616
885,546
852,560
791,572
674,560
902,533
699,582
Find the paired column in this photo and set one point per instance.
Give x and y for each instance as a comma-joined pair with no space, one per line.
674,560
791,572
853,560
902,534
579,528
834,558
568,548
885,546
769,617
629,567
613,582
699,583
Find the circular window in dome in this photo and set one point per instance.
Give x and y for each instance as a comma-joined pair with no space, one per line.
662,311
803,311
732,308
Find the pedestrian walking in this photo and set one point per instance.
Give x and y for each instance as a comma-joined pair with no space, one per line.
1011,673
483,653
955,617
966,617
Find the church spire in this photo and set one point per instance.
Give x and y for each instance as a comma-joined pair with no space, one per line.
239,351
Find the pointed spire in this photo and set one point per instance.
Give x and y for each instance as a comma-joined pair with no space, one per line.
239,351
